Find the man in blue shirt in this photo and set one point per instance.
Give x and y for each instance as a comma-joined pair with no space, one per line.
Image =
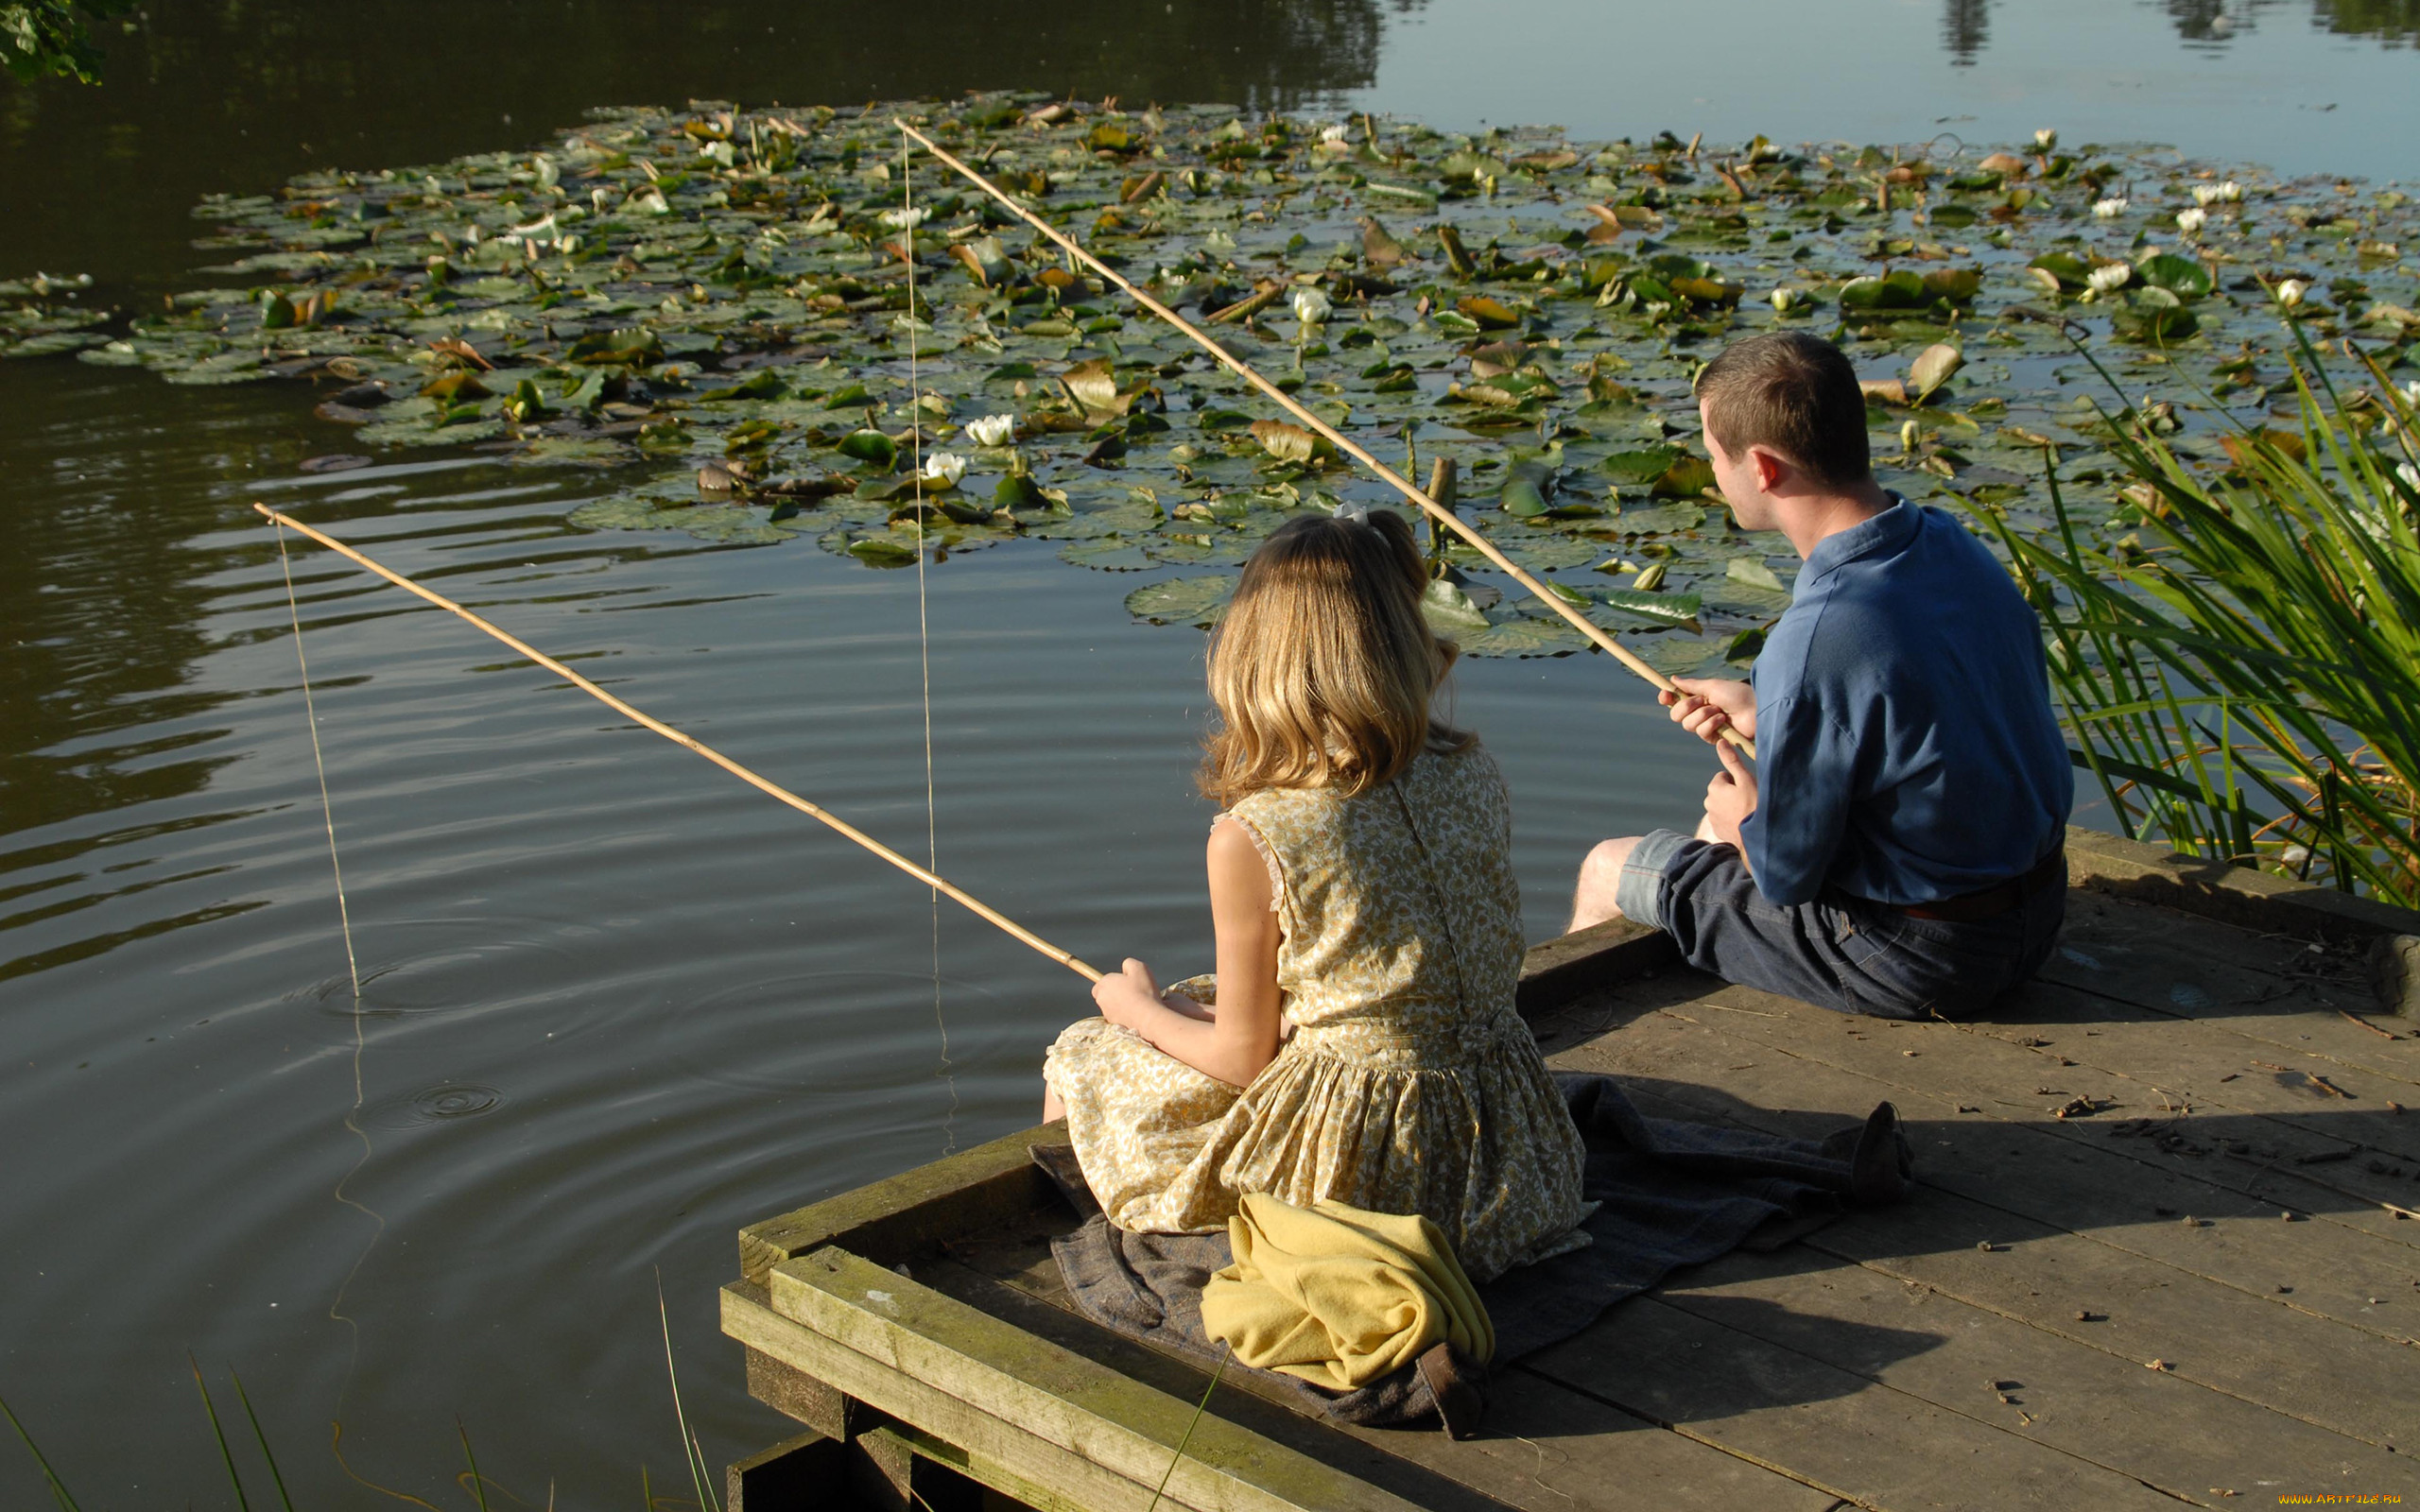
1896,850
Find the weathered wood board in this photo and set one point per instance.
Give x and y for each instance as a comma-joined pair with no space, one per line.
2158,1252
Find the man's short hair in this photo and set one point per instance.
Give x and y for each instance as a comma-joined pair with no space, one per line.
1794,393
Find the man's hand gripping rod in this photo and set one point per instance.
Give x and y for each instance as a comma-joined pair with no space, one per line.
1337,438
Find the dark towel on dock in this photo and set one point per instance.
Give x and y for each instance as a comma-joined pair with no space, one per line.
1670,1192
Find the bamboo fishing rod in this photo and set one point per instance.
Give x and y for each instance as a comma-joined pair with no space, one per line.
1336,437
647,721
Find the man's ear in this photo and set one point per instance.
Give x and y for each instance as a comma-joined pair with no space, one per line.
1772,468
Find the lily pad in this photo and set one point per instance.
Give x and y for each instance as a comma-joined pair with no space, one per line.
1451,612
1181,600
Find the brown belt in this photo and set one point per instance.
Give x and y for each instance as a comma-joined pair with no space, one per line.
1994,901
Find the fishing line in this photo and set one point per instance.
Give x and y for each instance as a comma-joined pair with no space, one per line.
327,809
344,917
923,630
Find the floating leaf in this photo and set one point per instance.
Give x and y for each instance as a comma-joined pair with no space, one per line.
1753,573
1285,442
1110,554
1488,314
2181,276
1524,637
870,446
1450,611
1932,368
1181,600
1094,385
1522,499
880,551
1687,478
1655,520
1642,466
1664,609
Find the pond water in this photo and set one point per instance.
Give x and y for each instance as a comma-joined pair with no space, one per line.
618,1005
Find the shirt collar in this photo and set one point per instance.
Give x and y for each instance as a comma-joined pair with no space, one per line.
1887,531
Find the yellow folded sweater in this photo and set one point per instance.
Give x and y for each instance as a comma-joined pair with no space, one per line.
1340,1297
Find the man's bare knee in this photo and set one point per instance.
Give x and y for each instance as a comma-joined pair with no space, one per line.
1600,875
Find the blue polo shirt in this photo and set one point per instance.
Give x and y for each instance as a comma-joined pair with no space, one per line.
1906,750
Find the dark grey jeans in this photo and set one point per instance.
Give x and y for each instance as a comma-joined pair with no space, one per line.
1836,951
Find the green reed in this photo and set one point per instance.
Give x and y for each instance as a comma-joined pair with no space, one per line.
2243,678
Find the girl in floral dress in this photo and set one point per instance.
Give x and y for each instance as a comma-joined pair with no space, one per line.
1358,1041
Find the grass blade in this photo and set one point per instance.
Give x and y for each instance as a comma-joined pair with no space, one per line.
478,1485
275,1474
690,1448
225,1454
58,1487
1198,1408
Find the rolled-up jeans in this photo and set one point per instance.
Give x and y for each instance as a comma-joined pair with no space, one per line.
1836,951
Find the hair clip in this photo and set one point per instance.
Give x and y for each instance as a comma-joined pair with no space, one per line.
1354,509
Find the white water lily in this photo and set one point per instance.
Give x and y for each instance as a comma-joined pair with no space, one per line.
1785,300
2230,191
2409,475
945,469
1334,134
2109,276
2109,208
991,430
2290,292
2045,139
1311,306
2205,193
905,219
2189,221
718,151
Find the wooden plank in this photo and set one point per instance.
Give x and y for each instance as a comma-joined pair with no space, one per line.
889,1220
927,1451
1542,1447
1556,970
802,1396
2232,894
1054,1394
2214,1070
2181,1437
2035,1174
2295,1361
1714,1378
1947,1061
2170,965
2295,1364
747,1317
789,1477
1371,1456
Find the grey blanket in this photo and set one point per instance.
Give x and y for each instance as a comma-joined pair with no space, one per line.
1670,1193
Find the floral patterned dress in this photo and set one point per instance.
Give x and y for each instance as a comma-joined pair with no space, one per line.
1407,1083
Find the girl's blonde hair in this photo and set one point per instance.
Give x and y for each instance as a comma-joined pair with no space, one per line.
1322,667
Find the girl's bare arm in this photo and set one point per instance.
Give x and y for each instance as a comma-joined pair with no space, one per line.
1238,1039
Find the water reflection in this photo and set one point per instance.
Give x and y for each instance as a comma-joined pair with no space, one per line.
1967,24
2396,23
245,95
1965,28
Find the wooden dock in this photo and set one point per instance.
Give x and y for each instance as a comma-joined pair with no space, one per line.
2165,1248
